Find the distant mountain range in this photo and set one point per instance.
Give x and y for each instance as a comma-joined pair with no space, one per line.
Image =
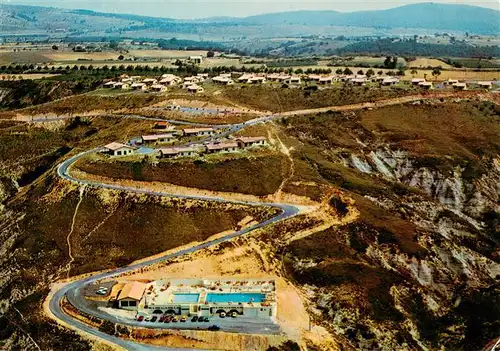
428,16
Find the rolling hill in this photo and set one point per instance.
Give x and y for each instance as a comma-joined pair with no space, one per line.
426,16
429,16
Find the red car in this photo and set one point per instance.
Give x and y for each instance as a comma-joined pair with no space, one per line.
140,318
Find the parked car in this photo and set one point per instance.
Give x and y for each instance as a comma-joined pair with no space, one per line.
175,319
214,328
206,319
162,319
154,318
147,319
183,318
139,318
222,315
194,319
234,314
168,319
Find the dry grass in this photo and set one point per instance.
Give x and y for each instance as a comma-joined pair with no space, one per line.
423,62
255,175
86,103
458,130
117,233
274,99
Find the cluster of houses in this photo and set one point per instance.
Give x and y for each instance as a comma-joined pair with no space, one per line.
226,146
193,84
454,83
160,84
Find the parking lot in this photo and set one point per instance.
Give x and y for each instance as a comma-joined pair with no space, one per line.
240,324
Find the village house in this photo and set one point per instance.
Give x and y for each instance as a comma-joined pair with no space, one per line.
417,81
109,85
325,80
118,149
158,88
222,80
170,79
257,80
358,81
460,86
150,81
273,77
293,80
121,85
189,132
229,146
162,125
157,138
314,77
139,86
173,152
389,81
130,295
135,78
195,89
450,82
245,142
245,78
425,85
485,85
196,59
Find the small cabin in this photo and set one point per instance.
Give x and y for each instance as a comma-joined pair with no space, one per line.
118,149
222,147
130,295
196,59
173,152
245,142
189,132
157,138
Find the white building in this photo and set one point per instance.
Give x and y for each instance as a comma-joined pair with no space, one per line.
118,149
248,298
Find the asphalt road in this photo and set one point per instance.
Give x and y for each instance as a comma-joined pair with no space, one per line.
73,291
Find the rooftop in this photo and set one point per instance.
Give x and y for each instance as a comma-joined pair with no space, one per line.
116,146
132,290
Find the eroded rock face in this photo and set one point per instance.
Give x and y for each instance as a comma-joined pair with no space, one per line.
439,292
471,197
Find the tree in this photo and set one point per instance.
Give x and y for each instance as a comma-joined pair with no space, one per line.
436,72
414,72
121,57
360,72
347,71
55,47
380,73
339,71
370,73
210,54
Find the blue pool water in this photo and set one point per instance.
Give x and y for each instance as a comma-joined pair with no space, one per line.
236,297
186,298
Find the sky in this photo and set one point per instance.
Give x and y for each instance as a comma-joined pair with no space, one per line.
189,9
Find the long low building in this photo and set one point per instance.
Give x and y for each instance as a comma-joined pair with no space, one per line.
244,142
118,149
158,138
198,131
229,146
173,152
250,298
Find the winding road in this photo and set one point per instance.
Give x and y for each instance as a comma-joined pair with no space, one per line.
286,211
71,290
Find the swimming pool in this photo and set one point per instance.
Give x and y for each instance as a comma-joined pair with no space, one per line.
186,298
236,297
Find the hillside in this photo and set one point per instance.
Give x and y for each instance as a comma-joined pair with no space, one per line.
428,16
